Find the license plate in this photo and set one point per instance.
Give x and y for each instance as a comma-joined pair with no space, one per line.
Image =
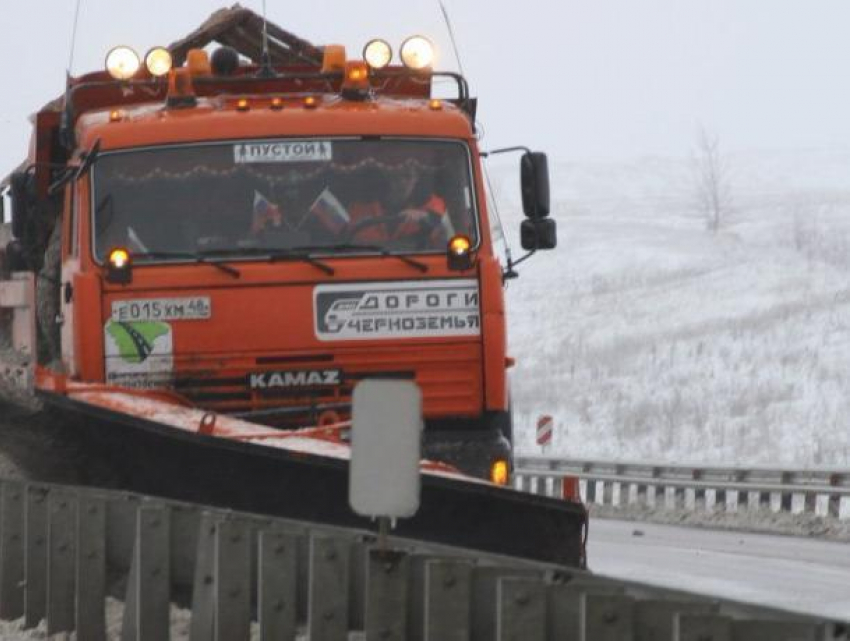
162,309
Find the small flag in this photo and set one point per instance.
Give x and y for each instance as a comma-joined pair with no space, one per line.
266,214
330,212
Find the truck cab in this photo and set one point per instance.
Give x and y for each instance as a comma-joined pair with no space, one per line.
255,241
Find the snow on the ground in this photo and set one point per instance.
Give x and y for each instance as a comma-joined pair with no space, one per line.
648,337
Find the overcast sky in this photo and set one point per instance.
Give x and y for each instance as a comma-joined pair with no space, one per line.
581,79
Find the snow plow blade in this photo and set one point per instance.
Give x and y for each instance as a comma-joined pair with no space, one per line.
155,458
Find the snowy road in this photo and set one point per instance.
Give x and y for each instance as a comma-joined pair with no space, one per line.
786,572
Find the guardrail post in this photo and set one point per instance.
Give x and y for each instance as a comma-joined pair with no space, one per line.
731,500
484,598
11,550
221,596
61,555
844,508
328,598
590,491
651,491
91,567
277,552
446,601
690,499
202,627
519,482
606,618
654,619
521,609
701,627
386,600
786,502
565,603
776,631
146,607
810,502
35,556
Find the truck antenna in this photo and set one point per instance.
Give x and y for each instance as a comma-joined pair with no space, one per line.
451,36
266,70
73,37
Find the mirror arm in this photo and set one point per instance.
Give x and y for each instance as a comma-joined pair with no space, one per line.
504,150
509,272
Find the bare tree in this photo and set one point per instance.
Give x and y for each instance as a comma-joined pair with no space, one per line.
711,176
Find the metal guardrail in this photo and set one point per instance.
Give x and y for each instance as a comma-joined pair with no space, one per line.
823,492
63,550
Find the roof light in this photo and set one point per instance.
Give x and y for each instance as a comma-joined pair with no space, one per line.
333,59
356,85
277,104
417,53
115,115
198,62
377,53
435,104
122,62
181,92
310,102
158,61
242,104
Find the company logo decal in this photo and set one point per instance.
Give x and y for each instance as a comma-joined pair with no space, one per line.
299,378
413,309
138,354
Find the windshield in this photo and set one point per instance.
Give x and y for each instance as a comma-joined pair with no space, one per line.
320,195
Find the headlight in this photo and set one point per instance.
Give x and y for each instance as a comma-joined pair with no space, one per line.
417,53
377,53
122,63
158,61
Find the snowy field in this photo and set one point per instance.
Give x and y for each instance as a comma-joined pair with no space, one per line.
648,337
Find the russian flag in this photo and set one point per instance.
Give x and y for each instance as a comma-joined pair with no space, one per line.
330,212
266,214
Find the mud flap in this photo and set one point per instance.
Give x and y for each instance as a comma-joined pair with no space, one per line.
160,460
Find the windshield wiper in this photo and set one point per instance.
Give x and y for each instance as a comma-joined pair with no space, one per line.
276,254
201,257
383,251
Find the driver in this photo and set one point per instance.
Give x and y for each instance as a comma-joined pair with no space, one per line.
405,214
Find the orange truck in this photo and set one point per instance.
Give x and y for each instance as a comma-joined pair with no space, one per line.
254,239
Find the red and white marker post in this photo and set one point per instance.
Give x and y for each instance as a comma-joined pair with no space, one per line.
544,431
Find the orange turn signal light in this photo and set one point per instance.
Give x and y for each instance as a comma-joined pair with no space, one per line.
118,266
499,472
459,253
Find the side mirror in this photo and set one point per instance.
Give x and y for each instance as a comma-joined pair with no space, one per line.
20,188
534,171
540,233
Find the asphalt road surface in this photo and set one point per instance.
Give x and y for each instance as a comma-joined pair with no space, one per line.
792,573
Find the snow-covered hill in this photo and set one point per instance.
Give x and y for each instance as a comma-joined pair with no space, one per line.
648,337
